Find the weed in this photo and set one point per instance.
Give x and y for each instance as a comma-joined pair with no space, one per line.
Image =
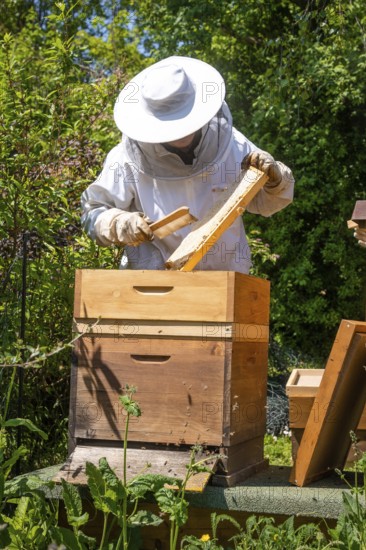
171,500
350,530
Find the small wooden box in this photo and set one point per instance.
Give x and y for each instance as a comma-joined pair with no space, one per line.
301,390
195,344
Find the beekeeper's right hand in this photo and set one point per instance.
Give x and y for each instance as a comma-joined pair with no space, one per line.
119,227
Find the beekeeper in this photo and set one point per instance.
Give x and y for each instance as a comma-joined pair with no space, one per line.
179,148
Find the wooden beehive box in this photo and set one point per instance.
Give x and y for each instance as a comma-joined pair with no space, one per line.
195,346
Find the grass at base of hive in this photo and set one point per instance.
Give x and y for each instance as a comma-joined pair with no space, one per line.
277,449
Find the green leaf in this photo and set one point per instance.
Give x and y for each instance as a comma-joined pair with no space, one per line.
350,504
147,483
68,538
78,521
26,484
26,423
8,464
106,488
172,503
90,542
144,517
130,406
198,468
21,513
112,481
217,518
166,499
2,485
73,504
97,486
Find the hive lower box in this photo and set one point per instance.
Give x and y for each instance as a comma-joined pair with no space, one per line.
195,346
301,389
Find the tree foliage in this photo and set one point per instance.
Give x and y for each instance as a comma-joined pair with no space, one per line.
296,80
56,124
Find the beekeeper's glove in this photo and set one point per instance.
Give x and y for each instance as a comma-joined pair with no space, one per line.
360,235
267,164
120,227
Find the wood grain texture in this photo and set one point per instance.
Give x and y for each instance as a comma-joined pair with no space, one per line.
180,389
301,408
232,456
303,401
190,390
153,295
201,296
206,232
194,344
304,382
169,463
246,392
172,222
135,328
233,478
77,291
251,299
73,396
297,433
341,396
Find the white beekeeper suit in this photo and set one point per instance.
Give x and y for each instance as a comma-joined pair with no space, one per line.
153,171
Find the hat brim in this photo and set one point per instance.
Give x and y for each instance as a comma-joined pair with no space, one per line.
136,122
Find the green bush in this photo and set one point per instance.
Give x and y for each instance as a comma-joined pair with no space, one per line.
56,126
